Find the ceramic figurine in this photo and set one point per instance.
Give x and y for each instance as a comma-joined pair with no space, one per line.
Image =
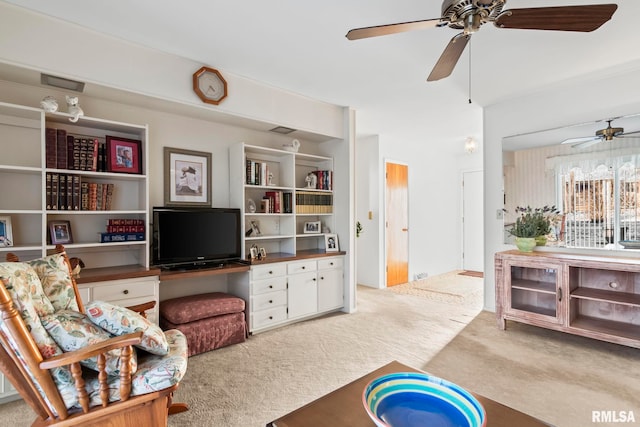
49,104
293,147
74,108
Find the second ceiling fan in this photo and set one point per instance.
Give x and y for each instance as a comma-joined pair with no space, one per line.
470,15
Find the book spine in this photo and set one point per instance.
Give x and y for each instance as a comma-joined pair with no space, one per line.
70,143
84,195
48,190
62,192
121,237
54,191
94,155
51,148
93,192
77,186
69,194
61,149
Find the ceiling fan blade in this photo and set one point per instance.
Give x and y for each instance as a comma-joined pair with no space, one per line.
588,143
634,134
581,139
449,57
561,18
383,30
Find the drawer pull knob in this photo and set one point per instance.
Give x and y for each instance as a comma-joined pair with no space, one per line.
270,272
321,277
303,267
126,291
270,301
330,263
270,286
270,317
314,279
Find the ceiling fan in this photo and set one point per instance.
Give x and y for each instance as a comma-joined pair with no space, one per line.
601,135
469,15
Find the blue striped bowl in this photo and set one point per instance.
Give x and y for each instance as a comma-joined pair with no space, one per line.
408,399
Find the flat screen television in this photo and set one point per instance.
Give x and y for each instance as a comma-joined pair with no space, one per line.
188,237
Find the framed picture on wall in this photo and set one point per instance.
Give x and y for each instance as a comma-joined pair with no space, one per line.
187,177
124,155
6,234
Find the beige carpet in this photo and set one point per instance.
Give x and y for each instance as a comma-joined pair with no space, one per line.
554,376
452,288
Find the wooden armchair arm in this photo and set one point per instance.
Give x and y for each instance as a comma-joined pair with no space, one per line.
142,308
91,351
73,358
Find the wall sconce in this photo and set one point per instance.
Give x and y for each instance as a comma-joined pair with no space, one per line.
470,145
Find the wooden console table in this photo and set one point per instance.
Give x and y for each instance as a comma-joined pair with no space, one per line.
592,296
343,407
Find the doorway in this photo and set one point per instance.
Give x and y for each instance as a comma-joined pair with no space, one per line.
396,223
472,221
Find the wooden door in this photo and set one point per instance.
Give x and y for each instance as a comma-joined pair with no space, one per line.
397,224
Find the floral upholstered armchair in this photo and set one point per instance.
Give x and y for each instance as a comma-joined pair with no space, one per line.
96,365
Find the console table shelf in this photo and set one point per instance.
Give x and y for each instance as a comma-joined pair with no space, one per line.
593,296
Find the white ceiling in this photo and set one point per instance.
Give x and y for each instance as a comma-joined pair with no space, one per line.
301,46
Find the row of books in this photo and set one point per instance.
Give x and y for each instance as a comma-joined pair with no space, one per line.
277,202
325,179
311,202
75,152
72,193
257,173
123,230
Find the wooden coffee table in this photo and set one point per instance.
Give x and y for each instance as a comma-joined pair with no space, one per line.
343,407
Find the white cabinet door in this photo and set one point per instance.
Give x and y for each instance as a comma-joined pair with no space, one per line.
330,290
302,294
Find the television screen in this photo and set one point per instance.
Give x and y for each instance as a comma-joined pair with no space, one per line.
195,236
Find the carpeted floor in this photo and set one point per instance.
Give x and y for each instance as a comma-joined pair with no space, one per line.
553,376
452,288
556,377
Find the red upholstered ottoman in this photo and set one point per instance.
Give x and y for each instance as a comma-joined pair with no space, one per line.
209,321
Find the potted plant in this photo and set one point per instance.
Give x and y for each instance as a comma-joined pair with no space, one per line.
532,226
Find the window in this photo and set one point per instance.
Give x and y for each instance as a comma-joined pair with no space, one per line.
600,202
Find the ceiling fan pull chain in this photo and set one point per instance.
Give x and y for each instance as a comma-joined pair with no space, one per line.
469,71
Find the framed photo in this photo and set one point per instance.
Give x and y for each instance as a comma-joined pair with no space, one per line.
312,227
255,226
6,234
262,253
60,232
187,177
124,155
254,252
331,243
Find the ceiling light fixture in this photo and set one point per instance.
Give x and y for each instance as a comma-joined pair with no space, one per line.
48,79
470,144
282,129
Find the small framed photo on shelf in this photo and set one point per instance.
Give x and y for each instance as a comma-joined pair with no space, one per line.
254,252
262,254
331,243
312,227
60,232
124,155
6,234
187,177
255,227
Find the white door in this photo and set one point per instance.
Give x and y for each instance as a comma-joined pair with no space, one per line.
472,221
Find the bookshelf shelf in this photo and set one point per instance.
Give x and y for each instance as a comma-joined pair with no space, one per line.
37,160
290,202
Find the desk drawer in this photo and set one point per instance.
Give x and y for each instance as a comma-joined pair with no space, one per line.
301,267
267,271
268,285
125,289
329,263
265,318
268,300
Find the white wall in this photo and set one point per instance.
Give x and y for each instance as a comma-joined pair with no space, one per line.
435,195
608,94
368,199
